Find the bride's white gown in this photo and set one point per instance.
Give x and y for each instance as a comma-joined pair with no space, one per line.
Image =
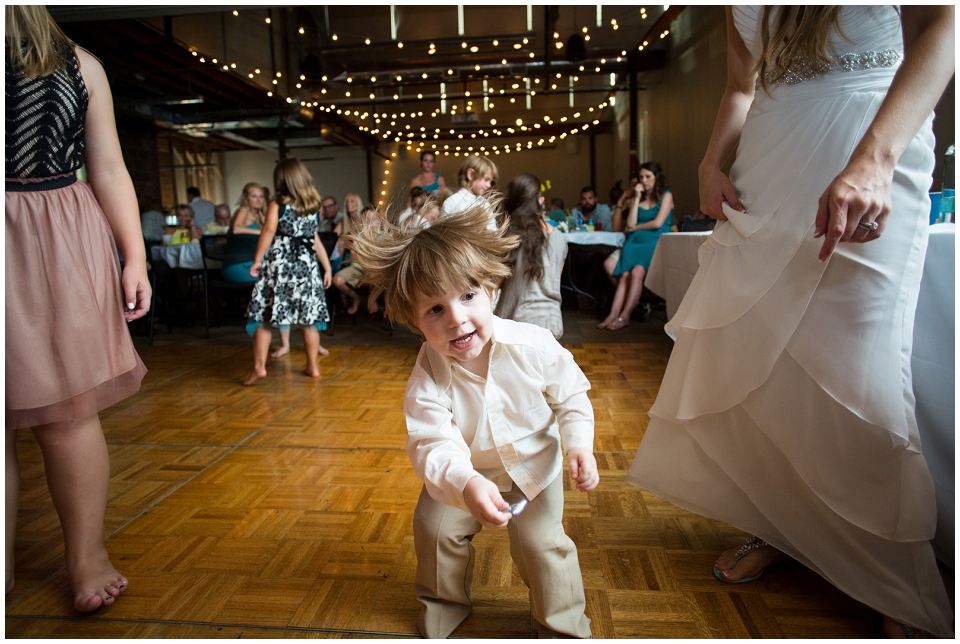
787,407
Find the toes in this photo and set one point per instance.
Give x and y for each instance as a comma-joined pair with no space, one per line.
87,603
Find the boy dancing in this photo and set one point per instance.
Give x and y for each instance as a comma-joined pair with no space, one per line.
487,405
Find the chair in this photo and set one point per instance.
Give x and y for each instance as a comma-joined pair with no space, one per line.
220,249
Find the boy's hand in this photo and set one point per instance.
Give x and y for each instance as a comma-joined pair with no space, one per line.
485,503
583,468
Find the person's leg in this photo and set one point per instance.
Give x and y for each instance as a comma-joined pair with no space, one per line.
13,500
619,296
637,273
284,343
610,265
261,346
442,537
311,346
341,285
547,561
77,465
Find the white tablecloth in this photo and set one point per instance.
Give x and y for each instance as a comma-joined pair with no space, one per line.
673,266
180,255
596,238
934,380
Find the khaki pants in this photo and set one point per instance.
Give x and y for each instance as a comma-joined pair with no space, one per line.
543,553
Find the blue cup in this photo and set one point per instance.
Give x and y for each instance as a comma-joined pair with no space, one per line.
934,207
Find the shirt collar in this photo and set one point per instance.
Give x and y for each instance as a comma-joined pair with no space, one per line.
504,332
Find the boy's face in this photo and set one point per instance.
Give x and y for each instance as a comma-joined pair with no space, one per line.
480,184
459,325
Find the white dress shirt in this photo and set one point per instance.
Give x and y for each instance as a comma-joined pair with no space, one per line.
463,200
507,427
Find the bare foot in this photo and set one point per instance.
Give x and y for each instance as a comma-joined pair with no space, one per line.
894,630
606,323
311,373
322,351
749,565
354,305
374,308
95,583
618,324
255,376
279,353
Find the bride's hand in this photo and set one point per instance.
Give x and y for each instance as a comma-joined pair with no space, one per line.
860,193
715,188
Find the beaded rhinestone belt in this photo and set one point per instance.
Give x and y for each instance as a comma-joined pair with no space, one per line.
803,70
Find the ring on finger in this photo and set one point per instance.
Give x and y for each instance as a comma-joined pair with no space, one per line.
868,225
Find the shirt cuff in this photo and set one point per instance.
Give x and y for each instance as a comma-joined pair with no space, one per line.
577,434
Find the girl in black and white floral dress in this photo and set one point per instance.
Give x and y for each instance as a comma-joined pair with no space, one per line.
290,285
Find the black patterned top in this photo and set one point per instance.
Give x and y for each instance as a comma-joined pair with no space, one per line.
45,121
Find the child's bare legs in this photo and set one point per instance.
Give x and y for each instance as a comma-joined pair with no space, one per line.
13,500
261,345
77,466
619,296
284,344
311,345
637,273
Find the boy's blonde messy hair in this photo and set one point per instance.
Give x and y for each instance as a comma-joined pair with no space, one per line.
481,166
456,253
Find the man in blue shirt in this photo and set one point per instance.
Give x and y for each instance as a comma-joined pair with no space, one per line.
203,212
590,209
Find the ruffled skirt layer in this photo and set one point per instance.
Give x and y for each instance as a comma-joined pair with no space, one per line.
787,407
68,350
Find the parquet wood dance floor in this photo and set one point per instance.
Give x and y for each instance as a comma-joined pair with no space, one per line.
285,510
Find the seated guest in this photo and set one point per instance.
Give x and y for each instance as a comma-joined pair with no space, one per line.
353,205
202,209
185,230
418,196
649,218
557,211
152,222
590,209
249,217
221,221
330,215
532,292
348,278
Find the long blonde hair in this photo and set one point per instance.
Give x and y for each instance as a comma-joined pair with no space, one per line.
801,31
292,179
346,222
46,44
259,214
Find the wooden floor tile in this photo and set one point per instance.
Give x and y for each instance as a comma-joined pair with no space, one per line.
285,510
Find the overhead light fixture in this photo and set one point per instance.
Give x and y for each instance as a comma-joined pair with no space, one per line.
196,100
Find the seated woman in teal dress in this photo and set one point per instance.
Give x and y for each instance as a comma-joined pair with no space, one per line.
648,219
